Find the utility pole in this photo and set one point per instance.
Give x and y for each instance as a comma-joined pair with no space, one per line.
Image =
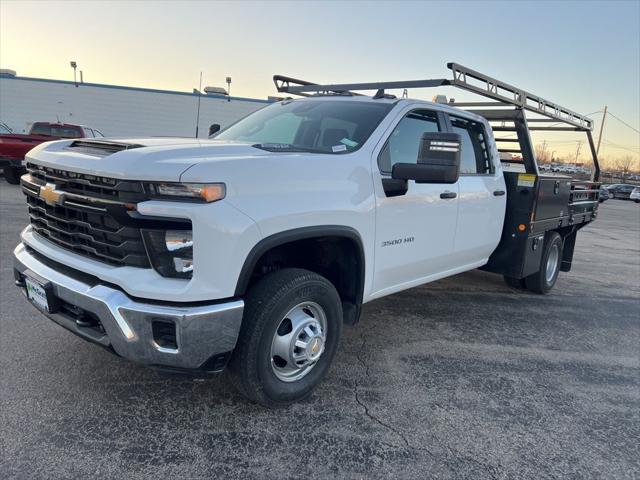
578,151
198,112
604,117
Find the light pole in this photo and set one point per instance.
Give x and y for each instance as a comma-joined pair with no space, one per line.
228,89
74,65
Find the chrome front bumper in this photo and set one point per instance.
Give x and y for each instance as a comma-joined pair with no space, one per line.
205,335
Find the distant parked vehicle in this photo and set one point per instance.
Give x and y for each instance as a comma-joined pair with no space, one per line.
635,195
621,191
14,146
604,194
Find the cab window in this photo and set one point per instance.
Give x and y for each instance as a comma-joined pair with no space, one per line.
403,143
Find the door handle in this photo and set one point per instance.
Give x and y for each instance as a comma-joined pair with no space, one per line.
447,195
498,193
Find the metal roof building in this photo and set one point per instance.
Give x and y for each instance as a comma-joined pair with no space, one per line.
116,110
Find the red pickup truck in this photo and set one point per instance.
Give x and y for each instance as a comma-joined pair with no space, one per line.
14,146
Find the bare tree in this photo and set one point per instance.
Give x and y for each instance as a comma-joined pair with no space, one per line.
624,165
542,154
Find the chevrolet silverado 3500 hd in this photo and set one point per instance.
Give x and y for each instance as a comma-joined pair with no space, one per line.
250,251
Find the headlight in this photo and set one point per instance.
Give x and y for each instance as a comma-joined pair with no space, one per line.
199,192
170,252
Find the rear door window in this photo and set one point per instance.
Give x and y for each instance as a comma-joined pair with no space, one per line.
474,156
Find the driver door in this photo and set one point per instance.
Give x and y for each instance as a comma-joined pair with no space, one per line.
415,231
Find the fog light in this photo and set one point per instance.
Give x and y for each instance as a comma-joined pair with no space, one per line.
170,252
178,239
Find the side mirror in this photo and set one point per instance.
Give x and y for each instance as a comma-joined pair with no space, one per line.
214,128
438,160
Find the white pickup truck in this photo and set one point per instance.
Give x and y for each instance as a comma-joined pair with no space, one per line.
251,250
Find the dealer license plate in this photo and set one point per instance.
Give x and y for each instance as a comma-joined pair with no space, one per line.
37,294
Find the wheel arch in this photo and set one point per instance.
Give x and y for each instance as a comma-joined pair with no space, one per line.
352,299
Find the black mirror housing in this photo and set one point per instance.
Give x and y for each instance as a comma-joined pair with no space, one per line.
214,128
438,160
441,152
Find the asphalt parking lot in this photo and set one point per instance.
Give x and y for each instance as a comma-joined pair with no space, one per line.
463,378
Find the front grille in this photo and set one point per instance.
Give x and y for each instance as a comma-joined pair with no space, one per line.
94,186
94,216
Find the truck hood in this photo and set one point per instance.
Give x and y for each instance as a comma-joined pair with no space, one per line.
152,159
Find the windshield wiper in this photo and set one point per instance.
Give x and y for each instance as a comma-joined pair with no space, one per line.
285,147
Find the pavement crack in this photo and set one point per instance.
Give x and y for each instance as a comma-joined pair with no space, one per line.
366,409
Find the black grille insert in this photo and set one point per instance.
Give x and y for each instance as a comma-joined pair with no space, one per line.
91,215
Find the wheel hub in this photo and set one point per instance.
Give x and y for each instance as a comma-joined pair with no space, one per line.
298,342
552,263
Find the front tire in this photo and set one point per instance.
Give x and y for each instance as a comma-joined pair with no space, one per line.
290,333
544,280
12,175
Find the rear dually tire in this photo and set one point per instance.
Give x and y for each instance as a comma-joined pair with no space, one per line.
544,280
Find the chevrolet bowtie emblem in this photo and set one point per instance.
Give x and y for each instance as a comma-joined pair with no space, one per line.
49,194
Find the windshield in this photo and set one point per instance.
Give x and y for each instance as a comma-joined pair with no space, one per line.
4,128
321,126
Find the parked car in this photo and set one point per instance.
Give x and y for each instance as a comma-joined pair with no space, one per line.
604,194
621,190
250,251
14,146
635,195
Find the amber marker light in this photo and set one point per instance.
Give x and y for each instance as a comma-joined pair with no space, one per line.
204,192
213,192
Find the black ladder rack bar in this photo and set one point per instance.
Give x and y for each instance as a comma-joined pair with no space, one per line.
479,104
283,82
557,129
346,87
504,92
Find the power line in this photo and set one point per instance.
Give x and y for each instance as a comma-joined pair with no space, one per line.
613,145
633,147
623,122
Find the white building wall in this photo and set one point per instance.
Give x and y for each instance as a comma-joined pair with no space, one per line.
116,111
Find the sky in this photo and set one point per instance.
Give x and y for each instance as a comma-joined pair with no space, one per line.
580,54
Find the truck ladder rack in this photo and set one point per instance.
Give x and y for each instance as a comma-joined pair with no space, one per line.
465,78
500,93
